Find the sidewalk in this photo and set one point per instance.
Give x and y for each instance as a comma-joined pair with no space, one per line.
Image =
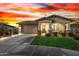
8,37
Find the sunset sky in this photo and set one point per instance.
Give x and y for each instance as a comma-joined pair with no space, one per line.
17,12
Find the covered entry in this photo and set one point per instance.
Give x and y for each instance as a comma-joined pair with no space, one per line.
58,27
44,28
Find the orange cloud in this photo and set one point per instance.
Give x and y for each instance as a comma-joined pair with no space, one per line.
33,10
57,5
13,18
72,6
7,14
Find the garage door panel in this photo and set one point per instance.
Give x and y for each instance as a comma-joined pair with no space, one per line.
30,29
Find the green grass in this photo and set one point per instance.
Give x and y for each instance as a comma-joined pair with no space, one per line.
61,42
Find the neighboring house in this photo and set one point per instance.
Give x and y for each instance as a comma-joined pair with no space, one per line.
47,25
6,30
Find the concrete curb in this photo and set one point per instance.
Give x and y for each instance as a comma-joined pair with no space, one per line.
32,40
66,52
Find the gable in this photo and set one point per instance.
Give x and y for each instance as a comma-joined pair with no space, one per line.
57,18
60,20
54,18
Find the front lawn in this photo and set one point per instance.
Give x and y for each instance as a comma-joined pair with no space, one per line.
61,42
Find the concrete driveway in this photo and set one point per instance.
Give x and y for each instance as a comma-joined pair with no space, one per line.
9,44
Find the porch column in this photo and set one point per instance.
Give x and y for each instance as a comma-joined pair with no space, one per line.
39,29
20,30
65,33
50,28
67,29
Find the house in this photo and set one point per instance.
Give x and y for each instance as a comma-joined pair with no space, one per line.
53,24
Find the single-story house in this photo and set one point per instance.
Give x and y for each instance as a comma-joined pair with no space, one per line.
51,24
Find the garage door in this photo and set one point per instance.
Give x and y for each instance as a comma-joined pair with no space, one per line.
30,29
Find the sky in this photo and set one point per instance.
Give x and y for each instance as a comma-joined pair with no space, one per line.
17,12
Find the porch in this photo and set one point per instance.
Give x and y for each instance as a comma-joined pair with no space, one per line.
54,29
